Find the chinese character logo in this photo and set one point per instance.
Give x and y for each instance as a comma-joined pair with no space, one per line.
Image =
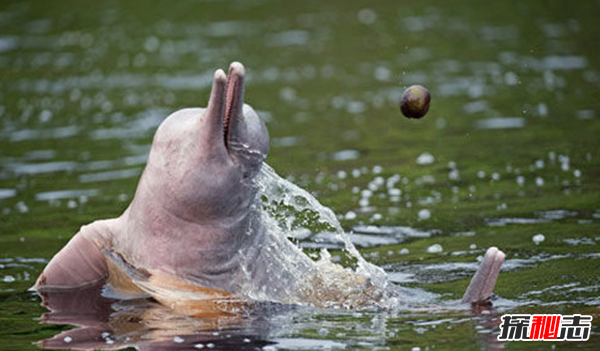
551,327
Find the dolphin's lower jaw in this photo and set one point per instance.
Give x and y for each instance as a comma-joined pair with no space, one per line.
233,97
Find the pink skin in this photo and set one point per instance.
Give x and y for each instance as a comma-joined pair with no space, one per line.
192,217
482,284
191,209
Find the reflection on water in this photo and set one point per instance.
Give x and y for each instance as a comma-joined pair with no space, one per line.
510,144
103,323
106,324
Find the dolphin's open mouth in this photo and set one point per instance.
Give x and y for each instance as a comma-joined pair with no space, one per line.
234,97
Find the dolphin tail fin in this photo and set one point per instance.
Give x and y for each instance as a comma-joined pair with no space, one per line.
80,263
482,284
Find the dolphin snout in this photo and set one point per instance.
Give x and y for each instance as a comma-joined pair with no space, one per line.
234,131
227,100
234,100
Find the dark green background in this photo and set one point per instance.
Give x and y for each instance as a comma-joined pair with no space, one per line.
84,85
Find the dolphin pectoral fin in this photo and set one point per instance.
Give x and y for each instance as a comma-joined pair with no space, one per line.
80,263
189,299
126,281
482,284
122,278
182,297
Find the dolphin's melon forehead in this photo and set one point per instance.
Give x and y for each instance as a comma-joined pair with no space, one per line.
180,121
227,129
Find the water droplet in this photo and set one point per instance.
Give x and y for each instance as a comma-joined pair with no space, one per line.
539,181
22,207
367,16
539,164
510,78
178,340
152,44
425,159
394,192
435,248
45,116
454,175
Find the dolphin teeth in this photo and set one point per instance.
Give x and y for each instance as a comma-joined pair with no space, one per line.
233,96
228,108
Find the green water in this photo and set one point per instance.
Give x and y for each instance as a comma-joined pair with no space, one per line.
513,130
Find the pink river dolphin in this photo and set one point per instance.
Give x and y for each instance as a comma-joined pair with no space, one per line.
191,235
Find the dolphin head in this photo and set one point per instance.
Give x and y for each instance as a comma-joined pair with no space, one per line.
203,160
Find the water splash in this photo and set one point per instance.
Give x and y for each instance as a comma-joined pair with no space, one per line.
291,212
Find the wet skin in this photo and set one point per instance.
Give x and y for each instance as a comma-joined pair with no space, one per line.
192,235
192,208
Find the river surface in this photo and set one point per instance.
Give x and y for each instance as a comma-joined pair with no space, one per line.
508,156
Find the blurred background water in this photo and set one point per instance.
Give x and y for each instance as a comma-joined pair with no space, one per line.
507,156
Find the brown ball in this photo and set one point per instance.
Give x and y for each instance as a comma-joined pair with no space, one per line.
415,101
